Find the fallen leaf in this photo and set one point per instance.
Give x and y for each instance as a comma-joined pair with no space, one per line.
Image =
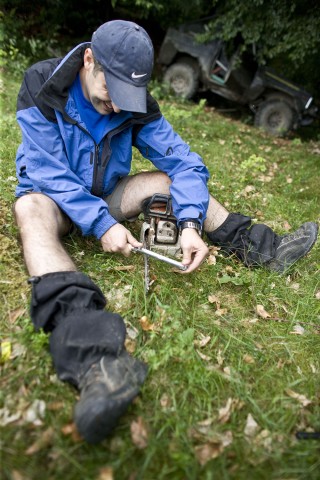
298,330
213,250
35,412
214,299
71,429
139,433
146,325
16,475
130,345
251,427
212,449
211,260
295,286
5,351
105,473
203,356
124,268
221,311
227,371
262,312
15,314
248,358
289,180
224,413
6,417
203,341
313,368
318,295
44,441
55,406
297,396
220,358
165,401
286,226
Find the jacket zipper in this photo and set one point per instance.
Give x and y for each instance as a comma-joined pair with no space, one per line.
100,165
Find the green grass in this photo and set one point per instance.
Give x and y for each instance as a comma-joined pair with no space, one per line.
252,360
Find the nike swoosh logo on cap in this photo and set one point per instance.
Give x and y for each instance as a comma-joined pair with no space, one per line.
134,75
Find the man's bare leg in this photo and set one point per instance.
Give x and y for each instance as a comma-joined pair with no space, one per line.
41,225
144,185
67,303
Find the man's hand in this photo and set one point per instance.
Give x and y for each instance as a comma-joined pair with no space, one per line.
193,248
119,240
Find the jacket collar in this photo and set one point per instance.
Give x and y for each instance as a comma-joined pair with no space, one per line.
55,90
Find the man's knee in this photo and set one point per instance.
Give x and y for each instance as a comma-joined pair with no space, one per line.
29,205
40,208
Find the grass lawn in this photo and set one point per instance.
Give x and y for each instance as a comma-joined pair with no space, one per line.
229,383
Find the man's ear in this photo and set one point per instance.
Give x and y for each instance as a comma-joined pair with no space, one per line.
88,60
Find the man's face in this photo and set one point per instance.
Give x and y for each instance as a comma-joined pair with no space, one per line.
95,90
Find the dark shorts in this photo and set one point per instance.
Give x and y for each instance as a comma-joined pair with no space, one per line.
114,201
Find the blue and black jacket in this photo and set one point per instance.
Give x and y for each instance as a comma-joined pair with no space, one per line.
59,158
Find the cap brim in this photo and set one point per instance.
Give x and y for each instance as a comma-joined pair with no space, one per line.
126,96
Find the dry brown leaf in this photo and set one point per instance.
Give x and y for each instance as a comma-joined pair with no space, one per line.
15,314
71,429
130,345
248,358
251,428
224,413
165,401
146,325
212,449
203,341
318,295
139,433
297,396
221,311
54,406
298,330
262,312
211,260
214,299
213,250
16,475
286,225
105,473
124,268
203,356
44,441
220,358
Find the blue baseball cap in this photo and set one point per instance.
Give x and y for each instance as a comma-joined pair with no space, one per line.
125,52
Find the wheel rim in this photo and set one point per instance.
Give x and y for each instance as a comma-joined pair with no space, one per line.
179,84
275,120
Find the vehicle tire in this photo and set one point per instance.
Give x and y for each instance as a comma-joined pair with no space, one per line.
275,117
182,78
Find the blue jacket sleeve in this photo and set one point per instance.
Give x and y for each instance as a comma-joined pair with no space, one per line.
158,142
48,168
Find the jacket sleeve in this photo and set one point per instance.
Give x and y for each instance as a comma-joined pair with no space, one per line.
45,162
158,142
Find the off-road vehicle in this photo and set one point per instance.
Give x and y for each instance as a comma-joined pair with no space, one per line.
189,66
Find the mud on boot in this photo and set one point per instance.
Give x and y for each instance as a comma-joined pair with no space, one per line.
107,390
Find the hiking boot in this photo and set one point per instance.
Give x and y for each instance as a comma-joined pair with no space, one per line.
293,246
107,390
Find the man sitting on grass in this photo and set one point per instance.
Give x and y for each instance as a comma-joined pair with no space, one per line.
80,116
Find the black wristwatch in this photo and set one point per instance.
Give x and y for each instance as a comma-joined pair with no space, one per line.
191,224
